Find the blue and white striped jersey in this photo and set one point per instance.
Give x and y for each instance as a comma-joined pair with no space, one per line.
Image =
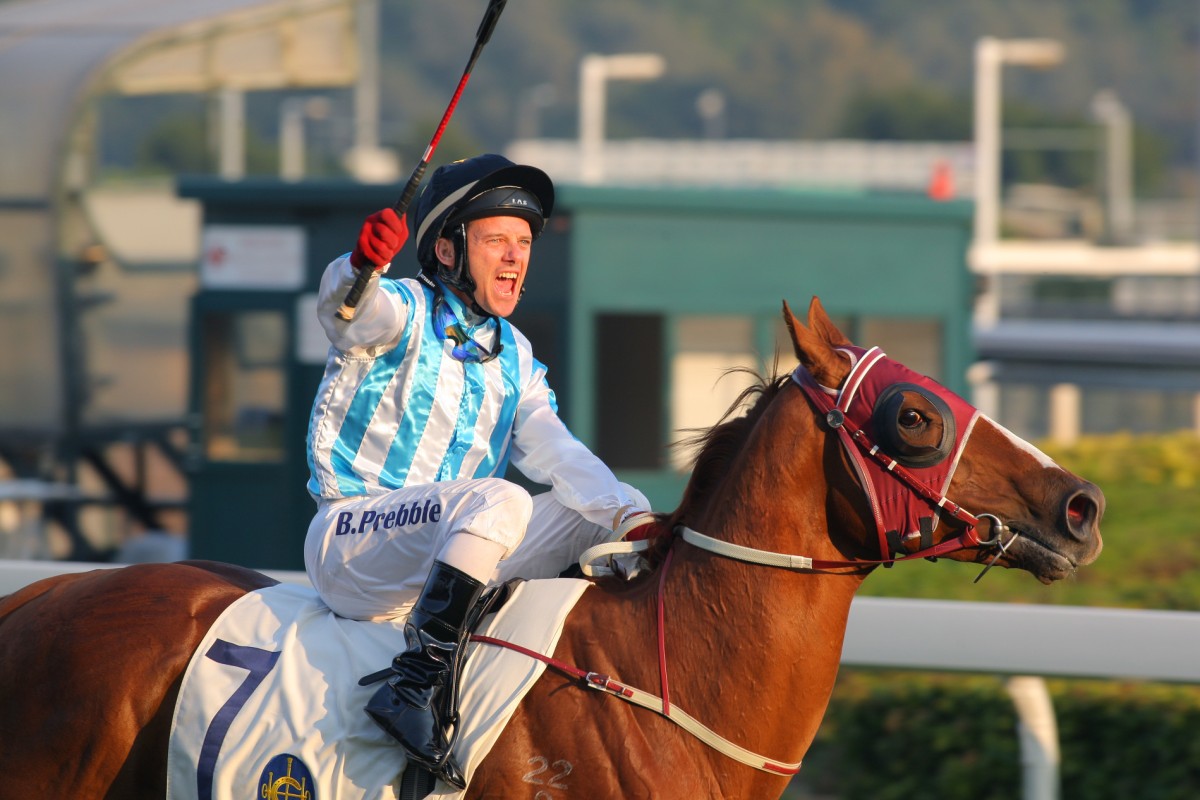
395,408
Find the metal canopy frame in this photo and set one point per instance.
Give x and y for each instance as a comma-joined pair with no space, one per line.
58,59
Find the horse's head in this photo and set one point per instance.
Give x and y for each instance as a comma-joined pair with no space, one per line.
940,478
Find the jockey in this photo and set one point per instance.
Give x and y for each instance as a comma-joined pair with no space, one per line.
428,393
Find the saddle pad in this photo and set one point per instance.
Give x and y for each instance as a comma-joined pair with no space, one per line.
270,705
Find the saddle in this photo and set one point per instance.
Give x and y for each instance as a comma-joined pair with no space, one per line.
271,703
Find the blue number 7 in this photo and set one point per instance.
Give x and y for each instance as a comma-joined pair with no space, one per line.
259,663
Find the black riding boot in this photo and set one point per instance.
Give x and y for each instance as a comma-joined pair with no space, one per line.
419,703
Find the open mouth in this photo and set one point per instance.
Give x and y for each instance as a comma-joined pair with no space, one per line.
1043,561
506,283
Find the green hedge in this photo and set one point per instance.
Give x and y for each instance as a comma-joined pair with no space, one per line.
907,736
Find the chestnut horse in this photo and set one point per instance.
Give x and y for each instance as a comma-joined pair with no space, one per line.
733,637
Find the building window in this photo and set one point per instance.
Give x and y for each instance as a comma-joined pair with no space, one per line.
1024,409
915,343
1113,410
243,387
1029,411
629,407
704,378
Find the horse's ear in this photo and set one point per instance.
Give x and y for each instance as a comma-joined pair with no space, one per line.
820,323
795,330
814,345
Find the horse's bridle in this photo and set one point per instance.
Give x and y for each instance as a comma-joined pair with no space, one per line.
899,518
847,418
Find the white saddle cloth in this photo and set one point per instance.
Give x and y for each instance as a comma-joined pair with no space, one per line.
270,705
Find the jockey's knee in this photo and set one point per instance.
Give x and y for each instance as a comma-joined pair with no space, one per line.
499,512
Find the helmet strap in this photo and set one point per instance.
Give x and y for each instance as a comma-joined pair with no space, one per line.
459,276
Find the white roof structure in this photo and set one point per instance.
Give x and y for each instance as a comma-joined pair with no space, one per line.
827,164
56,55
66,294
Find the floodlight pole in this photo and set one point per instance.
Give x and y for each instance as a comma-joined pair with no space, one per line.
594,71
990,55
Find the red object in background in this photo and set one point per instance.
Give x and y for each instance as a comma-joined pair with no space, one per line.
941,184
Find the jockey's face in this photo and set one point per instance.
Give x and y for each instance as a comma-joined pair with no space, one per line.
498,256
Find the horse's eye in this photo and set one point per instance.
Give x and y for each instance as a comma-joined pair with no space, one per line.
914,425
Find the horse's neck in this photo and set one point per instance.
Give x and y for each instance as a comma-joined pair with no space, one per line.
772,637
790,490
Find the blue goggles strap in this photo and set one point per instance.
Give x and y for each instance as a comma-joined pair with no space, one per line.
447,326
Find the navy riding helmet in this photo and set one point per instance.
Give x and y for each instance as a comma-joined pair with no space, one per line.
484,186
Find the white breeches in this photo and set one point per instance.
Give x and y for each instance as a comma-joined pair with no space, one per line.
368,557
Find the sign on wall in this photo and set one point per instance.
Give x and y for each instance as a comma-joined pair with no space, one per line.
252,257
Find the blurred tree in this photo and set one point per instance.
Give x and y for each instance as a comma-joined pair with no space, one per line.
790,69
178,144
1067,155
910,113
455,144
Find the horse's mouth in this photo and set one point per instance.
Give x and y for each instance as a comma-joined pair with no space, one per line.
1045,562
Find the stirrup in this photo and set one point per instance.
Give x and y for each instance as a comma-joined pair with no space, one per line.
418,780
452,773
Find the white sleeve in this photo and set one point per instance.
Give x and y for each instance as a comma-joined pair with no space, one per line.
379,318
548,453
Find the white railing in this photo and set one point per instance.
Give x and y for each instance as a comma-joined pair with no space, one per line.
1014,639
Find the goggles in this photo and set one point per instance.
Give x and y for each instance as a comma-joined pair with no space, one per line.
447,326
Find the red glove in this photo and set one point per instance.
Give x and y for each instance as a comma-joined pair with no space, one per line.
633,525
383,235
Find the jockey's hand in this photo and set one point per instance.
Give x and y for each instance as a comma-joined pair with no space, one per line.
382,236
632,525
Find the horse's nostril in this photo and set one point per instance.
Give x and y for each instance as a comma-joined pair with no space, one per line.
1077,510
1083,513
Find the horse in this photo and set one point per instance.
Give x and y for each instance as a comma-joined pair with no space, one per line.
707,675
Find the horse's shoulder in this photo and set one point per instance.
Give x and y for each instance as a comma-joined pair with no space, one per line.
27,594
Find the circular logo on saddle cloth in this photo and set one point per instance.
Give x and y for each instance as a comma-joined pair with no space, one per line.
286,777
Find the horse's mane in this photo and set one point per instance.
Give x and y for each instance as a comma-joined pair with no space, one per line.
718,446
